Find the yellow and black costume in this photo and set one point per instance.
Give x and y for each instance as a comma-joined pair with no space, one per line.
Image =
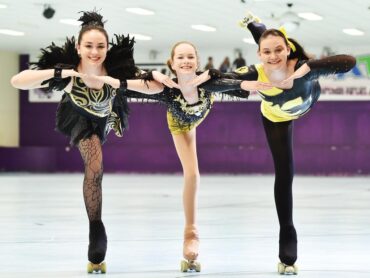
279,107
182,116
84,111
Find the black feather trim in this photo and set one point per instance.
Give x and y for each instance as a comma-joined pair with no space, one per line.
120,61
53,55
91,18
120,107
65,57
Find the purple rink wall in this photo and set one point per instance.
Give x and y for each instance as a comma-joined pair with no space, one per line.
333,138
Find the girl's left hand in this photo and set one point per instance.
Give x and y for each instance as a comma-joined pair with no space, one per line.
200,79
164,79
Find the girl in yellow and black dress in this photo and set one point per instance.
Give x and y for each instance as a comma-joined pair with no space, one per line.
187,106
295,89
94,79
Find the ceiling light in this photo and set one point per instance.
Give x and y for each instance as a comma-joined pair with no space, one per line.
249,40
204,28
353,32
11,32
139,11
141,37
290,21
70,21
310,16
290,26
3,6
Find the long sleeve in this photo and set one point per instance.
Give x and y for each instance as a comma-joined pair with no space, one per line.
331,65
160,97
243,73
229,87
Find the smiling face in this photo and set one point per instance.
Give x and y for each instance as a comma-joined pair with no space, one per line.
273,52
93,47
184,59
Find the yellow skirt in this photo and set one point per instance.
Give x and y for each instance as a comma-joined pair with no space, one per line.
177,127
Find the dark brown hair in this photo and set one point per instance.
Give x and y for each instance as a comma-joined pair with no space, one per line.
299,53
92,21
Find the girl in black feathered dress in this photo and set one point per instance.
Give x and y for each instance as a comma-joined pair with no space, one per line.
94,80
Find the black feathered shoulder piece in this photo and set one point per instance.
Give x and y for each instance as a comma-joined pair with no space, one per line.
120,61
64,57
53,55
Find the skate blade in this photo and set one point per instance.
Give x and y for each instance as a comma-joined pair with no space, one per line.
190,265
96,268
284,269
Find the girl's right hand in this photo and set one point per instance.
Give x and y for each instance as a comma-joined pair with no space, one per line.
255,86
164,79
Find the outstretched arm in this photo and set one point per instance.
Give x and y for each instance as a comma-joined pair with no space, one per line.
222,85
137,85
332,64
149,87
245,79
235,87
328,65
31,79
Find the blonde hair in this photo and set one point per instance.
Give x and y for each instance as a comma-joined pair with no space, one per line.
169,61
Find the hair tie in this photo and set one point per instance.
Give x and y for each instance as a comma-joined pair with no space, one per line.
291,45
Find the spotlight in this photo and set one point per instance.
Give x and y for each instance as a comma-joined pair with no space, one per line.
48,12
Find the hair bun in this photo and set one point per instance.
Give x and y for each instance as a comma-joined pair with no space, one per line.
91,18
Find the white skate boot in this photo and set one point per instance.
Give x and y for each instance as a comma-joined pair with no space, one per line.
248,19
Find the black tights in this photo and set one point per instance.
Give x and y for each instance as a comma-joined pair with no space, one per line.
280,136
91,153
